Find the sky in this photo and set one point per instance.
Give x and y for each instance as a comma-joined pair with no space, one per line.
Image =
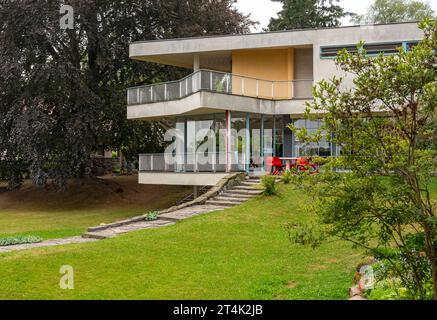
262,10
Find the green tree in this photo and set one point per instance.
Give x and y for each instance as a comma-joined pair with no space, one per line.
386,128
301,14
63,92
391,11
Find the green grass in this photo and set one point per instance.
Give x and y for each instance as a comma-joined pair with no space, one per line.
58,224
240,253
58,214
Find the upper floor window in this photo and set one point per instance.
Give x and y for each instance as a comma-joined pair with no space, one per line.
371,49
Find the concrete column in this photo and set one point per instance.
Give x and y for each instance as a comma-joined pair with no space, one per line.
196,62
196,191
228,141
247,143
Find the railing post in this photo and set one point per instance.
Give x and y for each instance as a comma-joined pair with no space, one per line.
151,93
151,162
186,85
242,86
165,91
196,168
180,89
210,80
257,88
273,90
138,96
227,83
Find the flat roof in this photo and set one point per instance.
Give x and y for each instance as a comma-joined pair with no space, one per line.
215,51
274,32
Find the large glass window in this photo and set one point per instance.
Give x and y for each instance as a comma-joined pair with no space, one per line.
300,148
238,141
268,136
255,162
279,136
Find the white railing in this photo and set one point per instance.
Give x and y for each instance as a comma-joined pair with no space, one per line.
193,162
215,81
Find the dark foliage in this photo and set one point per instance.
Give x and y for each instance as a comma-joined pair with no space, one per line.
63,92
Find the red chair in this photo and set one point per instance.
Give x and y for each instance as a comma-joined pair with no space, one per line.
276,164
303,164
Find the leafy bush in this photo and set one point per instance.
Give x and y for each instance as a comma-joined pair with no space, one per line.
269,184
10,241
151,216
287,176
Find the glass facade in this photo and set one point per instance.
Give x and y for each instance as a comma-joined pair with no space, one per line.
323,148
204,143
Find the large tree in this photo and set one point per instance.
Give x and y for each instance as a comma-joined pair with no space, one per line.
391,11
301,14
62,92
386,129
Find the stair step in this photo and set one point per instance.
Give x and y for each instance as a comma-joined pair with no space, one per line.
231,199
222,203
237,195
250,183
243,188
247,192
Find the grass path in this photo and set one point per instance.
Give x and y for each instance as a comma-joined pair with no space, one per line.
239,253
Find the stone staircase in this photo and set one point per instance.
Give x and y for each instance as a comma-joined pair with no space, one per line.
230,196
238,194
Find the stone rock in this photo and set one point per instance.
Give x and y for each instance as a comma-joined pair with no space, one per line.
354,291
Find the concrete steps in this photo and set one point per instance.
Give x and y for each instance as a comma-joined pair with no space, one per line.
231,199
244,188
250,183
238,194
222,203
252,192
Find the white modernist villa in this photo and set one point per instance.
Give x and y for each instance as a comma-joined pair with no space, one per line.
233,110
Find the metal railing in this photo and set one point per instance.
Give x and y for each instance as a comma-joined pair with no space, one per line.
215,81
192,162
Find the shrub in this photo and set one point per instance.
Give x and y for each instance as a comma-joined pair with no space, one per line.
10,241
151,216
269,184
287,176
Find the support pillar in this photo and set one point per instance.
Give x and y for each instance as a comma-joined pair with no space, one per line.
196,62
248,142
228,142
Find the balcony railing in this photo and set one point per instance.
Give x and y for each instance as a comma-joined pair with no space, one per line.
214,81
192,162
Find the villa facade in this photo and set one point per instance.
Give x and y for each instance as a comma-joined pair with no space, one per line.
231,113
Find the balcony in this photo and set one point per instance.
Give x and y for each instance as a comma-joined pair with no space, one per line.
193,162
220,82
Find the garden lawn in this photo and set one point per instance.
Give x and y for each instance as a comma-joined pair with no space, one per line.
51,213
239,253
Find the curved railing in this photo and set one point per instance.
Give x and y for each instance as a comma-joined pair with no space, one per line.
215,81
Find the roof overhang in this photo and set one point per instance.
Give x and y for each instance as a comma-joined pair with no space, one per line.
210,102
217,50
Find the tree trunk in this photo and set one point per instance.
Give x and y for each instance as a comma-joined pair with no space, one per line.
430,254
120,159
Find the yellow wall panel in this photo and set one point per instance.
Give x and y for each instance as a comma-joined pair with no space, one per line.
269,64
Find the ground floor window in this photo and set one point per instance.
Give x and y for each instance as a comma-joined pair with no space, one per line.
323,148
239,140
